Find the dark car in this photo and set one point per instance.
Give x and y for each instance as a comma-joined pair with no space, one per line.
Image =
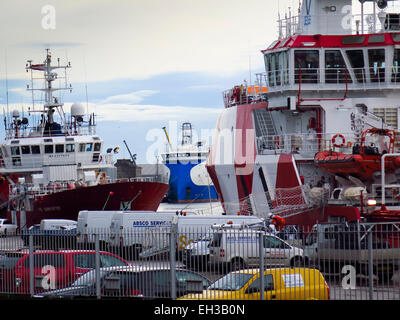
52,269
136,281
56,239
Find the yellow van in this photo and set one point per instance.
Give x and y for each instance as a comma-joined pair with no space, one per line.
279,284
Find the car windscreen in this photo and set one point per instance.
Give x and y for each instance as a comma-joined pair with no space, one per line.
87,279
231,282
8,263
216,240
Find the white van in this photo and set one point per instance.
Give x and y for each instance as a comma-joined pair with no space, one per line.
137,232
132,231
96,222
57,224
239,249
195,245
191,228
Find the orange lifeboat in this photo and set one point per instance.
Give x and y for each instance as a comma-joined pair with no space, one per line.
364,161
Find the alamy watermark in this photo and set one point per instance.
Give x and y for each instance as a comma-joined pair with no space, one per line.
350,276
229,146
48,21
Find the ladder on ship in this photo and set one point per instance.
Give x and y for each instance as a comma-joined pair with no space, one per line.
265,125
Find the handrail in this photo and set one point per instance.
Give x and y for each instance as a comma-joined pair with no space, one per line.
56,186
369,22
309,78
383,176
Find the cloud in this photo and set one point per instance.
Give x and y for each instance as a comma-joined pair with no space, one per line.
130,98
202,87
139,39
142,113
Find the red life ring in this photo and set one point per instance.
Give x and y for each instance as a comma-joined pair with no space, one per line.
337,145
276,142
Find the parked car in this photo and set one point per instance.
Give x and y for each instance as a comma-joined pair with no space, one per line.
279,284
7,228
52,269
144,282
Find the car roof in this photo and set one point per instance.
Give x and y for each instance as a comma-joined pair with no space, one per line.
26,251
249,231
142,268
271,270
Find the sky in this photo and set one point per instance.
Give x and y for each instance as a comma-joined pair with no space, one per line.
139,65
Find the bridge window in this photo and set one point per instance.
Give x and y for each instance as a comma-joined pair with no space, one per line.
272,61
356,58
285,66
97,146
48,148
15,151
35,149
25,149
59,148
396,66
277,66
16,161
376,59
70,147
306,64
335,67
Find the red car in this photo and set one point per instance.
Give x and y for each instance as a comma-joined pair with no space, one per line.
52,269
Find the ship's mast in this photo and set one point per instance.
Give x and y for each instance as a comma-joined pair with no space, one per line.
186,133
52,103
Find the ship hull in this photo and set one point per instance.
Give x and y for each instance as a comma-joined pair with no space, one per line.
183,189
66,204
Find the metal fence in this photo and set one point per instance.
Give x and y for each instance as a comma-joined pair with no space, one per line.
341,261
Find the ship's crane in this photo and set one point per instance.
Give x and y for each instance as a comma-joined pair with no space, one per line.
166,134
133,156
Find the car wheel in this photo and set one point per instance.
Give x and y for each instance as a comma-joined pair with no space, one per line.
237,264
297,262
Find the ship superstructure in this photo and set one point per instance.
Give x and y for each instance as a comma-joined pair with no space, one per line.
329,96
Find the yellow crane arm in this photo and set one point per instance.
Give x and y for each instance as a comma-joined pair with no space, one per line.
166,134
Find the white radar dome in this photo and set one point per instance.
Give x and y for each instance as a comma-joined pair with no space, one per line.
77,110
15,114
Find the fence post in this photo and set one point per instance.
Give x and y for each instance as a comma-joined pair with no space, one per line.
261,248
370,267
97,260
172,257
31,269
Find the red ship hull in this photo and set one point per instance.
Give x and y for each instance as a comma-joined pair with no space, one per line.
112,196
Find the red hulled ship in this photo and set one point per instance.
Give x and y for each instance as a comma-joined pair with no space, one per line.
315,138
54,167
